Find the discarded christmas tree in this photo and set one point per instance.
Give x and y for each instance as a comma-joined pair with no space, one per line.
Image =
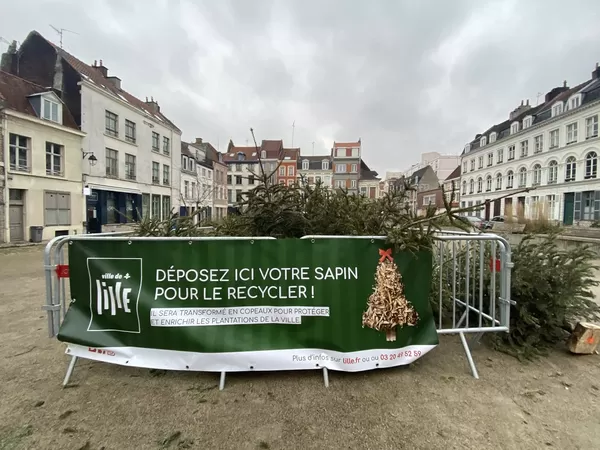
388,307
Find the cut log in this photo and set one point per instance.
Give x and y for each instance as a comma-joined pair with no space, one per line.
584,339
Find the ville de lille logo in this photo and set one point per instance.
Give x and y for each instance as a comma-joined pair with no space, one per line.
115,286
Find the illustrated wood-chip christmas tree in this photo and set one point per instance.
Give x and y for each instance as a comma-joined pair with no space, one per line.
388,307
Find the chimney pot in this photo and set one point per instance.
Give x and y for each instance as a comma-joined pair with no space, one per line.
527,102
101,63
565,83
95,63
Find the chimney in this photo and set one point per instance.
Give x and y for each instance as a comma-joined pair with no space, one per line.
555,92
596,73
152,105
198,141
115,81
8,63
100,68
519,110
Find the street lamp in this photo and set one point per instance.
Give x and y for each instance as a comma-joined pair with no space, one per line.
91,158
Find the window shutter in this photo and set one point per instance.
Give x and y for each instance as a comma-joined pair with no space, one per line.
577,210
597,205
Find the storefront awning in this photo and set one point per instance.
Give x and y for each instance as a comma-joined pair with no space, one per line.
124,190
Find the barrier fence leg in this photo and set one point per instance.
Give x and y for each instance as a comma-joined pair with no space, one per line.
325,377
69,370
222,381
469,356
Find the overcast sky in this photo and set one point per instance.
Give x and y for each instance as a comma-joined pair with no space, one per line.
406,76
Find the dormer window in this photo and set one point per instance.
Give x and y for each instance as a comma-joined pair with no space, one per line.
325,165
192,168
557,109
305,164
184,162
241,156
575,101
514,128
527,122
263,154
51,110
492,137
482,141
467,148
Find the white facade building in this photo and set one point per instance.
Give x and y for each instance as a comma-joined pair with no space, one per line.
313,169
551,149
442,165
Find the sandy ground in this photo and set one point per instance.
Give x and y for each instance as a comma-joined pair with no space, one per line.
434,404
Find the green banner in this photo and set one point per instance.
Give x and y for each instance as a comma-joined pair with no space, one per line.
237,304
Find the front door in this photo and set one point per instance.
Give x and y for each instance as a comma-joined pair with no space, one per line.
16,223
569,208
487,210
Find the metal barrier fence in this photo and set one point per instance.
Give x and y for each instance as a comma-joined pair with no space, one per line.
471,276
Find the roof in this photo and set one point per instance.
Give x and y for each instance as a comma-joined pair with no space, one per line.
346,144
589,89
290,154
250,154
368,175
314,162
14,93
93,75
455,174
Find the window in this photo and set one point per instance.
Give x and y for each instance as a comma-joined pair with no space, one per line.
290,171
229,196
282,171
204,171
112,208
54,165
551,201
524,148
464,169
554,139
166,146
192,165
552,172
352,184
238,179
510,178
129,131
51,111
527,122
571,133
539,144
19,152
591,127
498,181
479,184
490,160
464,188
155,172
238,167
427,199
340,168
340,183
471,186
325,165
111,124
354,168
194,190
112,163
556,109
184,162
166,175
500,158
305,164
472,165
228,179
570,169
238,195
363,191
514,128
129,166
482,141
290,182
591,165
492,137
522,177
263,154
488,183
251,179
156,205
574,102
186,189
57,208
166,206
511,152
587,200
480,161
537,175
155,140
